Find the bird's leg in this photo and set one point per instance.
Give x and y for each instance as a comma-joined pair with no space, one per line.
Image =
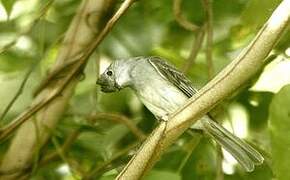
162,121
163,118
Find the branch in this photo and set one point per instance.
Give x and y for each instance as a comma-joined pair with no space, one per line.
51,102
76,66
18,93
142,161
190,147
219,161
74,167
194,51
92,119
209,36
42,13
116,156
225,83
183,22
63,149
119,119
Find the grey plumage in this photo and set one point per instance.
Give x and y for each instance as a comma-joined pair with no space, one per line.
174,76
163,89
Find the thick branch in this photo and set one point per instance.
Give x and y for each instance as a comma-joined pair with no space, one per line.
226,82
50,103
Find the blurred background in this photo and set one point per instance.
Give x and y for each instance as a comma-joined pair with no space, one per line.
103,130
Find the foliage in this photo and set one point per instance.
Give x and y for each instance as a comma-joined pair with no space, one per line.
279,126
148,28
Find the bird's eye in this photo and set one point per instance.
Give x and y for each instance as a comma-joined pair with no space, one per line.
109,73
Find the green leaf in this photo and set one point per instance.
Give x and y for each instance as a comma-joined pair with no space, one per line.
280,136
109,177
261,12
8,5
257,105
158,174
12,61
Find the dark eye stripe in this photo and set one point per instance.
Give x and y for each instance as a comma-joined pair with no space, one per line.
109,73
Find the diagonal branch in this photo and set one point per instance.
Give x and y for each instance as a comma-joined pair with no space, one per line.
40,15
19,91
77,66
194,50
50,103
226,82
103,165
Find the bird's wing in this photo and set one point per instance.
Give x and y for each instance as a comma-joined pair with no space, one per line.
170,73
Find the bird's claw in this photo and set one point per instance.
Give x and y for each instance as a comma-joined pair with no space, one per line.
164,118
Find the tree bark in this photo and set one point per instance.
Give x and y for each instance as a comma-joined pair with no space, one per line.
226,82
35,132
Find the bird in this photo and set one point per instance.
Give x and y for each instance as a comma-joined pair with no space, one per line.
162,88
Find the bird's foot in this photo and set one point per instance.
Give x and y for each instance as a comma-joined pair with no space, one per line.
163,118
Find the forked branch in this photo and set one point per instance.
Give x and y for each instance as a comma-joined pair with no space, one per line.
233,76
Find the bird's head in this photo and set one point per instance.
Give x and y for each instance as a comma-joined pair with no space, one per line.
117,75
108,79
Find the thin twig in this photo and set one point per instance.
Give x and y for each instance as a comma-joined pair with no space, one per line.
119,119
92,118
7,46
194,50
64,148
209,36
116,156
65,159
75,71
219,162
18,93
191,145
181,20
42,13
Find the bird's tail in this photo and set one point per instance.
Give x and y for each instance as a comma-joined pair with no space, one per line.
246,155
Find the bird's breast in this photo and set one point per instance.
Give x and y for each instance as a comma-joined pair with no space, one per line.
161,97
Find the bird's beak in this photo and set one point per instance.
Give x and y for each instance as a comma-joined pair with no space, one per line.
107,85
100,81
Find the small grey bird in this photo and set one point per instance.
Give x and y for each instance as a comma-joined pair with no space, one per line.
163,89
